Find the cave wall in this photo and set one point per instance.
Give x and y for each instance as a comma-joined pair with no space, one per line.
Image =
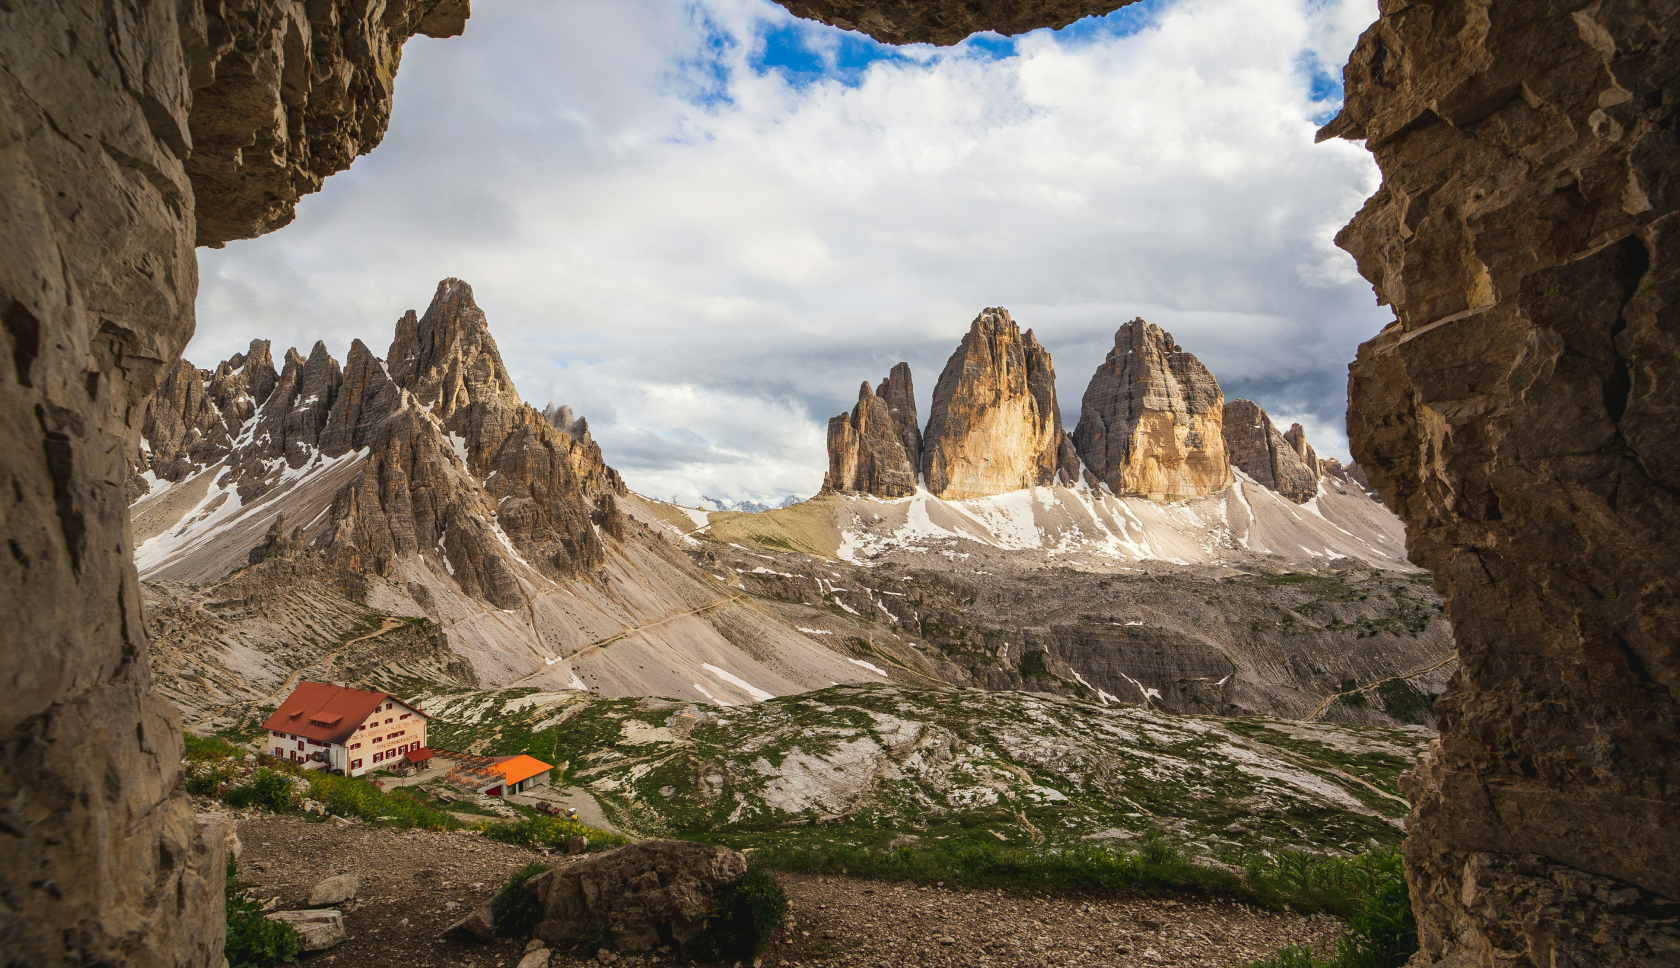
132,130
1520,415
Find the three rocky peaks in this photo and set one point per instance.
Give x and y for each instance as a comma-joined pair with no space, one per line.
429,451
1153,423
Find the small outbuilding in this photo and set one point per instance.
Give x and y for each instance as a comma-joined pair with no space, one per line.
519,773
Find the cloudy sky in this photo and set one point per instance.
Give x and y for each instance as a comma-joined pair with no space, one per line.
702,223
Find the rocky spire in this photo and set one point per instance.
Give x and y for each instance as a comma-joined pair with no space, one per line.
994,425
1297,437
1258,450
866,452
193,418
1149,423
242,383
900,396
449,361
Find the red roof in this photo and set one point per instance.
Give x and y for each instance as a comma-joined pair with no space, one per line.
420,755
518,768
316,710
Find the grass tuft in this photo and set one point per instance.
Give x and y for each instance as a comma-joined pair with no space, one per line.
516,911
268,789
1382,929
752,908
253,941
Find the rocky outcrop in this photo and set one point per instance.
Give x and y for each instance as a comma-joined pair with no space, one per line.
946,23
283,95
648,894
131,130
1150,420
1296,437
866,450
1255,447
900,394
1519,415
197,415
994,425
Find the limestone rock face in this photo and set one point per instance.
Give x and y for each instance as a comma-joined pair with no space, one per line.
132,130
994,425
900,394
866,453
1296,436
1519,415
284,94
1150,420
1257,449
642,896
946,22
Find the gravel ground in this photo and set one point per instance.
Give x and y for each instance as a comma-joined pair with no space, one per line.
415,883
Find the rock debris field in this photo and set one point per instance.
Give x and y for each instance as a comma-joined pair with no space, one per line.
413,884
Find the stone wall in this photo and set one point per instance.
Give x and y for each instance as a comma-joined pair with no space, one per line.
131,132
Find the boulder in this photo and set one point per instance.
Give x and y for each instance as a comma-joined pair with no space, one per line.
536,958
642,896
480,925
334,890
317,930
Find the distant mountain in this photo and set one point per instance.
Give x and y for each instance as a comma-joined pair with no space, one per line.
1160,466
409,523
422,484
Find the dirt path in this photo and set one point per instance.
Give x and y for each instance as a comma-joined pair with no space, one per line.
1325,705
415,883
603,643
325,661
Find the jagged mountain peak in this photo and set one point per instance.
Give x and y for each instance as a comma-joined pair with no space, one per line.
994,425
382,463
1149,422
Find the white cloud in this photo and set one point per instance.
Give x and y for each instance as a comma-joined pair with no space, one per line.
705,258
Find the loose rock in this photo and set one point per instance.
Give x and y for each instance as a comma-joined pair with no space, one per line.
334,890
317,930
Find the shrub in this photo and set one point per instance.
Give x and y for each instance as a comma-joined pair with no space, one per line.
515,911
267,789
550,832
209,778
209,748
752,908
254,941
1382,930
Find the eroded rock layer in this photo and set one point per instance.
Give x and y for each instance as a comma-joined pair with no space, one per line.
1257,449
1519,414
994,425
920,22
866,453
131,131
1150,420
